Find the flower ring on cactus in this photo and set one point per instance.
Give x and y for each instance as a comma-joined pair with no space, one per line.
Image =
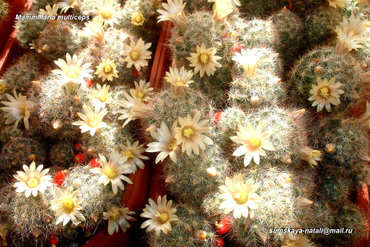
118,217
66,206
133,154
238,196
106,70
204,60
190,134
32,180
160,215
253,141
113,171
16,109
173,11
179,79
101,96
92,121
143,91
72,69
325,93
109,11
137,54
166,143
248,58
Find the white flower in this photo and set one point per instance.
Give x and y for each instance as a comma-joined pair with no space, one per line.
137,54
347,40
92,121
179,79
72,69
248,58
235,2
166,143
137,19
325,93
355,25
16,109
160,216
133,108
65,5
95,28
190,134
238,196
109,10
173,11
112,171
134,156
143,91
106,70
311,156
49,11
221,9
337,3
204,60
32,180
118,217
66,206
101,96
253,141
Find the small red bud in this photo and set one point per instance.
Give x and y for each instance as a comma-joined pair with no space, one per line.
94,163
79,158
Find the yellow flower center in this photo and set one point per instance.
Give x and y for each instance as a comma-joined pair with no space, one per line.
187,132
203,236
68,203
179,82
106,14
94,123
256,142
172,145
103,97
204,58
32,182
140,95
129,154
134,55
72,75
324,92
109,173
241,197
116,214
163,217
23,109
108,68
2,87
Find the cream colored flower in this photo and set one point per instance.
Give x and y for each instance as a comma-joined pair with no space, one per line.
310,155
137,18
143,91
221,9
365,118
238,196
109,10
133,108
253,141
72,69
118,217
65,5
300,241
325,93
248,59
101,96
166,143
204,60
112,171
32,180
66,206
137,54
133,154
49,11
173,11
16,109
190,134
38,47
92,121
95,28
355,25
160,216
337,3
106,70
179,79
347,41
